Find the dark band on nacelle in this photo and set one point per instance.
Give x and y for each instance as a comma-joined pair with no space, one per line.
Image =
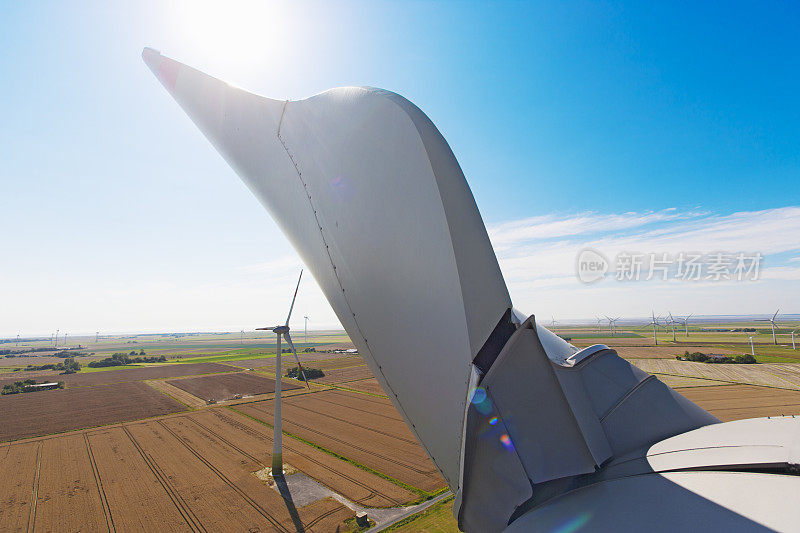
491,348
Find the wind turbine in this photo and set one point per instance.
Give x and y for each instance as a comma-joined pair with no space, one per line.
672,323
56,341
752,349
793,348
654,323
552,322
241,338
612,324
772,323
306,329
686,323
282,331
96,336
599,320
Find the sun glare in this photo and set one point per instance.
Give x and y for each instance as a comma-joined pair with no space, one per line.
240,32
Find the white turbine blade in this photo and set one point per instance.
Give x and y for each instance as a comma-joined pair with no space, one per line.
294,297
297,359
775,315
358,165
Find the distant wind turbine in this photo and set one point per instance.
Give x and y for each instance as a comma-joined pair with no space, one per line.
654,323
599,321
752,349
793,348
672,323
772,323
552,322
306,330
282,331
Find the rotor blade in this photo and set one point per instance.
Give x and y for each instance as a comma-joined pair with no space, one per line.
776,314
291,345
295,297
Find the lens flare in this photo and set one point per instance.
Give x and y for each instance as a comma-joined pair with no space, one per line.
493,420
505,440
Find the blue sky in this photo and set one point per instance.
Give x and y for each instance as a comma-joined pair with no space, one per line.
636,121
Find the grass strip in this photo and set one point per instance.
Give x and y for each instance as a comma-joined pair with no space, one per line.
433,509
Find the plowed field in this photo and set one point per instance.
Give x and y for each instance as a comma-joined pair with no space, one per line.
55,411
225,386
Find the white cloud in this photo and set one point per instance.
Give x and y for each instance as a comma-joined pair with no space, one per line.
537,256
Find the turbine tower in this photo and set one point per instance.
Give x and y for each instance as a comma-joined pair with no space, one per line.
55,343
306,329
772,323
793,348
654,323
282,331
96,337
752,348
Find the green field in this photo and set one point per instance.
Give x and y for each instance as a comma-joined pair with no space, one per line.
438,518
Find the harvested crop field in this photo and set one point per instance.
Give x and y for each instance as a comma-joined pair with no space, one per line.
735,402
369,385
226,386
342,375
249,440
41,413
253,363
364,428
137,374
148,476
781,375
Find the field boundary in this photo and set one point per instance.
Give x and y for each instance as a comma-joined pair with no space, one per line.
35,489
99,483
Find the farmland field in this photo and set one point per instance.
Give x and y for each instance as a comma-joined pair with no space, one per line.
56,411
734,402
131,457
369,385
106,377
225,386
164,475
364,428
